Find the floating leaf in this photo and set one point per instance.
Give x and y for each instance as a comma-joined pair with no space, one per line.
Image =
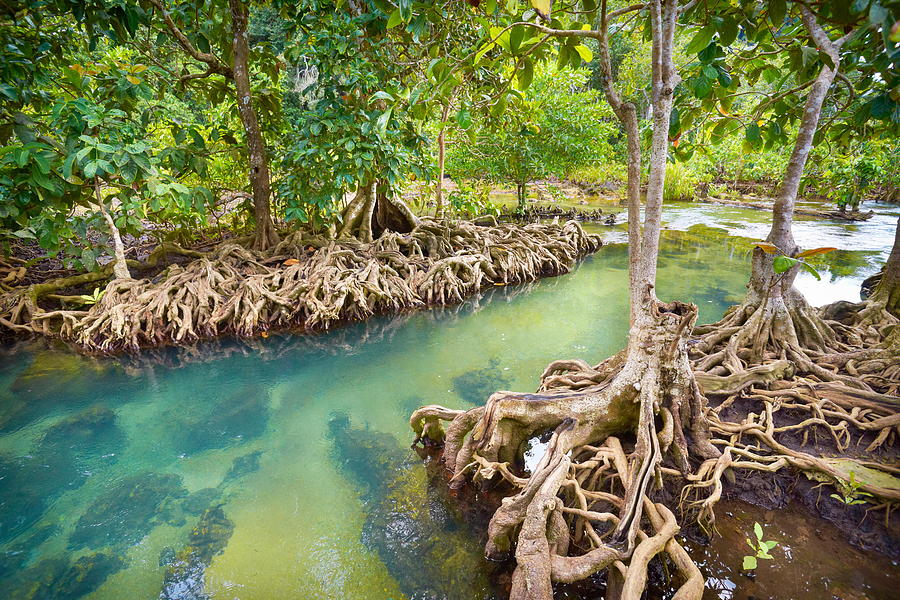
749,563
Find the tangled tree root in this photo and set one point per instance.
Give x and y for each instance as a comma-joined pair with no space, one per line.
619,429
586,506
305,282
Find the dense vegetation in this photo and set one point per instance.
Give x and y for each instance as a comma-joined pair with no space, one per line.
286,164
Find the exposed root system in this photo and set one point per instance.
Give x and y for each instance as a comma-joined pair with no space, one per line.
306,282
646,420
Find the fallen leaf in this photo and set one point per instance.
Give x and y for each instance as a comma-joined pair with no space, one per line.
290,262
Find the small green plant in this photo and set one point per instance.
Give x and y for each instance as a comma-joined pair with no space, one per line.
783,263
760,548
850,494
91,299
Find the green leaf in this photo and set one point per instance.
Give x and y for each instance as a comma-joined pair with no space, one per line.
770,544
777,11
749,563
395,19
728,31
810,269
701,40
525,74
382,122
516,35
782,264
702,87
382,95
464,118
877,13
757,529
753,134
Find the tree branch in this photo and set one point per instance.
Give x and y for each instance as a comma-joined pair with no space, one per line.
214,64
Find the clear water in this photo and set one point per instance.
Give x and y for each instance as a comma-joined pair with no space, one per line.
281,468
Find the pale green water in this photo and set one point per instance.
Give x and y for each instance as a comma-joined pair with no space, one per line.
117,462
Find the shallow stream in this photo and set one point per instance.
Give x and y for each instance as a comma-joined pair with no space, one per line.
282,468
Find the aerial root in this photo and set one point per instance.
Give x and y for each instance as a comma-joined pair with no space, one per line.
306,282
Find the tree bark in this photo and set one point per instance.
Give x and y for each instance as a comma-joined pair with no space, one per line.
888,288
260,180
439,192
120,266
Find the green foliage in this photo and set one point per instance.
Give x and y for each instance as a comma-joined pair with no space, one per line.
760,547
850,494
782,263
561,124
357,126
682,181
471,201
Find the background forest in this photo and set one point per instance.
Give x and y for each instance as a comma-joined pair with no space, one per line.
106,119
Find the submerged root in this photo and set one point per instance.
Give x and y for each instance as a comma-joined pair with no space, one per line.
305,282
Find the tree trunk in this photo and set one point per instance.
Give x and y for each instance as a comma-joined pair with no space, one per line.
120,266
663,15
373,211
439,192
763,281
260,181
886,294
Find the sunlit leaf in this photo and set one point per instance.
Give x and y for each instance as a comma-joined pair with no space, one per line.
749,563
767,247
784,263
815,251
542,6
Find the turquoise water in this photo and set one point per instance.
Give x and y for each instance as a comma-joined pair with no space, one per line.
281,468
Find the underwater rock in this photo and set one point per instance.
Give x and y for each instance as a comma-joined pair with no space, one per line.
32,482
54,379
476,386
126,513
88,434
184,573
409,523
240,417
57,579
243,465
86,575
19,555
29,485
200,500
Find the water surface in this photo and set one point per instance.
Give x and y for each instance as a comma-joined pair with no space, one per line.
281,469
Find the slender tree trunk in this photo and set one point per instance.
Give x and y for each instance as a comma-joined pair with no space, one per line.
256,147
120,266
663,15
439,192
762,283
